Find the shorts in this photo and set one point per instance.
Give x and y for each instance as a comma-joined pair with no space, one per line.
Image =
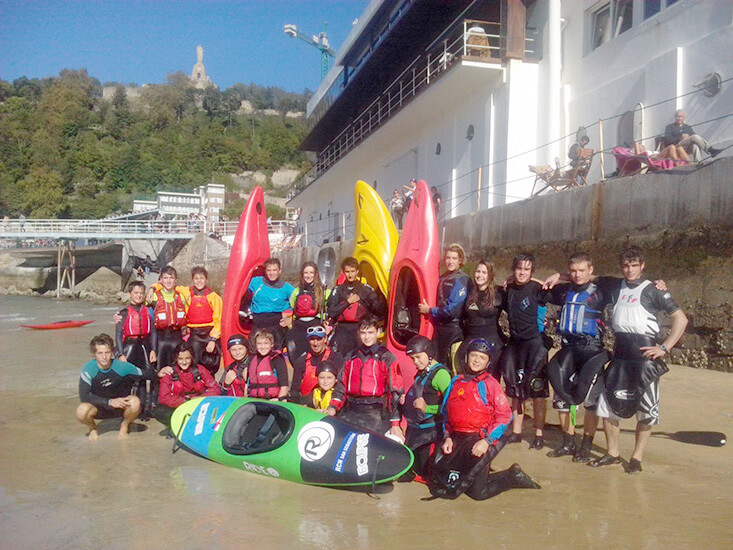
104,412
647,413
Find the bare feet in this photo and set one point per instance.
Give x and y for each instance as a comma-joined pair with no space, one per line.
93,434
123,433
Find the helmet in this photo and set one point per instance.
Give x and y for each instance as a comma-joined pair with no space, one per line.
480,345
327,366
236,340
420,344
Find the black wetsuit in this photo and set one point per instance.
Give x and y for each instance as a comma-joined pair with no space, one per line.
523,360
452,289
136,349
575,368
347,317
631,380
480,319
98,386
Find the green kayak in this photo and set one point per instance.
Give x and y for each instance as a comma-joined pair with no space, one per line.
287,441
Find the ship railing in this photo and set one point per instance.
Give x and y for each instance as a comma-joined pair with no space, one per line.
471,39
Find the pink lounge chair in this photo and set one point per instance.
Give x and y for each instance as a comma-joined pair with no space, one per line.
629,163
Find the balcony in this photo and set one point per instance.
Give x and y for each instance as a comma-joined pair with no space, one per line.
470,40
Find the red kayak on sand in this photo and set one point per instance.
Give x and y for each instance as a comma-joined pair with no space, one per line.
250,249
413,278
58,324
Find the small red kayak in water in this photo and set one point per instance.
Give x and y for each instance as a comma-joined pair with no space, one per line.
58,324
250,249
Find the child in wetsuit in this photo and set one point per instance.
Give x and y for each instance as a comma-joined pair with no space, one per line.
234,380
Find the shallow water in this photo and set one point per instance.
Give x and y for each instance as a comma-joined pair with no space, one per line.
58,490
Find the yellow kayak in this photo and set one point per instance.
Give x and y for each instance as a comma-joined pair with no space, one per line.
375,237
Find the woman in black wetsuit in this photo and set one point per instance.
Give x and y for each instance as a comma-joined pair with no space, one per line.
480,317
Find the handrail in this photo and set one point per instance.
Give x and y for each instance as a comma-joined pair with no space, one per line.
464,39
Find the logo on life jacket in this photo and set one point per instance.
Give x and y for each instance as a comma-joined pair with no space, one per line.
314,440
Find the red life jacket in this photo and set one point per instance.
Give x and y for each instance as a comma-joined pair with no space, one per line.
366,376
200,311
305,304
310,380
467,407
261,377
353,313
169,315
137,323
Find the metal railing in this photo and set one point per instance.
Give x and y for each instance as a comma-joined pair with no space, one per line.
471,39
125,229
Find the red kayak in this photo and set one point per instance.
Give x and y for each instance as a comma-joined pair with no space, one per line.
413,278
250,249
58,324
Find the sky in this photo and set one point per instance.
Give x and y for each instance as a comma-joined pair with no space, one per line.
142,41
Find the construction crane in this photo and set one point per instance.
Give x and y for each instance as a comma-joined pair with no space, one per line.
320,42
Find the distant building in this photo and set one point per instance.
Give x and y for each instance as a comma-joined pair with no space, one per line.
206,199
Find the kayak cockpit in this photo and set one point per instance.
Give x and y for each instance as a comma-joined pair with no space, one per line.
257,428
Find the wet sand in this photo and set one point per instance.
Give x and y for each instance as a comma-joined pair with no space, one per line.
59,490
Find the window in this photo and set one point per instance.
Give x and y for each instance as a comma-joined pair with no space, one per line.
611,20
653,7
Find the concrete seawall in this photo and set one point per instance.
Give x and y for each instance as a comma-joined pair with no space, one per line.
637,205
682,218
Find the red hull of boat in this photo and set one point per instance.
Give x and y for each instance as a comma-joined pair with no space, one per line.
416,263
58,324
250,249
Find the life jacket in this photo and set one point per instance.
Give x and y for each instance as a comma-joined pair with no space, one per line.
310,380
137,323
366,376
321,399
445,288
467,405
577,318
200,311
169,315
305,304
355,311
193,370
422,387
261,377
630,316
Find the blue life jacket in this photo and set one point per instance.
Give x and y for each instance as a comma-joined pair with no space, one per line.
577,318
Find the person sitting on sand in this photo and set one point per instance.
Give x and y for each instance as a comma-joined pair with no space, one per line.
104,388
182,381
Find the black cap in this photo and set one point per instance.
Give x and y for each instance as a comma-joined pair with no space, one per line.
236,340
327,366
420,344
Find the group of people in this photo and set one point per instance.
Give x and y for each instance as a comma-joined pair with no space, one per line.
399,202
320,347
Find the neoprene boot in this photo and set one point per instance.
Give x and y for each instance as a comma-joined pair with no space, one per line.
583,452
511,478
568,447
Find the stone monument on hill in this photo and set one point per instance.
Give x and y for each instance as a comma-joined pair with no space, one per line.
198,75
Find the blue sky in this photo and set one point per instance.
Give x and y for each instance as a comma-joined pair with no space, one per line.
142,41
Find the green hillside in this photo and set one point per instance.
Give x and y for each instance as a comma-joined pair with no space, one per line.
66,152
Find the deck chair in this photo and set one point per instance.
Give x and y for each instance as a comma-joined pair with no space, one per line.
559,180
577,175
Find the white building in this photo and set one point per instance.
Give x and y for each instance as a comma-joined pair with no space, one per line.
466,94
206,199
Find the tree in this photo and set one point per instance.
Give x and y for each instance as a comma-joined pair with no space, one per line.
40,194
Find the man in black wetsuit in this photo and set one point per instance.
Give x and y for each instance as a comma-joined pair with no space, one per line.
104,388
452,291
631,381
349,303
522,363
575,368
